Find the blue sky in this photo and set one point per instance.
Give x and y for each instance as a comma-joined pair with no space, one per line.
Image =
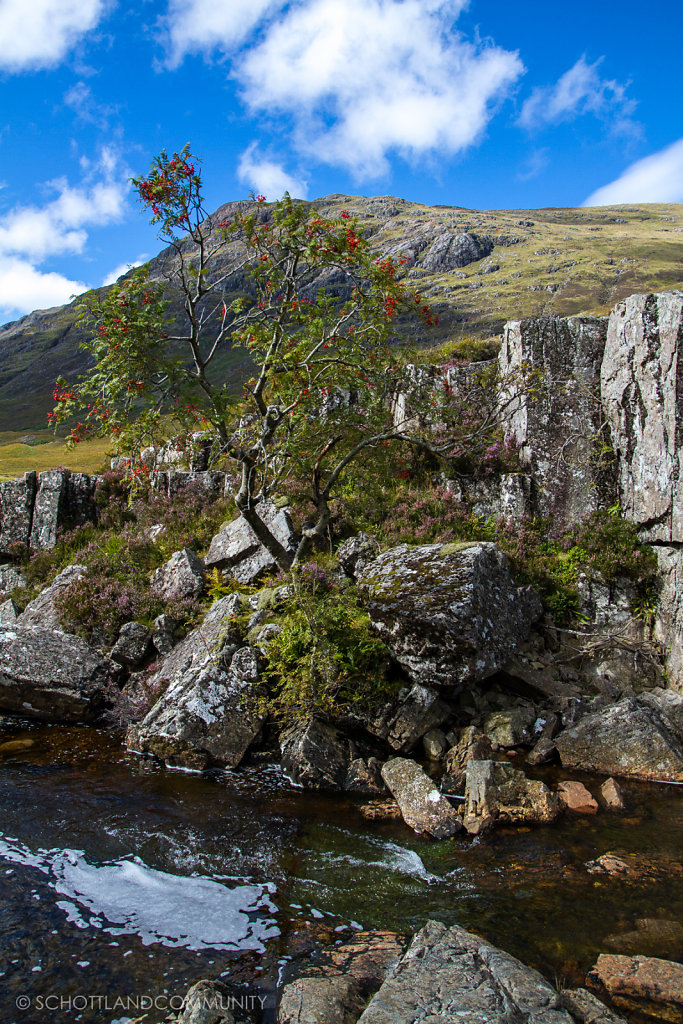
482,104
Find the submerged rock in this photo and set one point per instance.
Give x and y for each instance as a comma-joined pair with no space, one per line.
497,792
53,676
449,974
422,805
642,984
639,736
586,1008
201,719
576,797
450,614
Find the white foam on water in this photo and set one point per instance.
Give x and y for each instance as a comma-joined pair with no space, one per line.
127,897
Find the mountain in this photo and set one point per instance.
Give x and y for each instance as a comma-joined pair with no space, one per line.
476,268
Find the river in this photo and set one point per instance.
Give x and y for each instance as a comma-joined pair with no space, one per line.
122,882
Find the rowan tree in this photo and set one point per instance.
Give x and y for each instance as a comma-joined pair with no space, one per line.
318,316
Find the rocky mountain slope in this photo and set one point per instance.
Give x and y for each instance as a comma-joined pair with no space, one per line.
478,269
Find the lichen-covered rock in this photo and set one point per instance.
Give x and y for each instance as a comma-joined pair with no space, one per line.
201,718
409,718
237,550
449,974
497,792
642,395
472,745
181,577
133,645
450,614
510,495
315,755
162,634
53,676
422,805
642,984
511,728
558,426
669,616
9,613
17,498
42,610
50,507
10,577
357,552
639,736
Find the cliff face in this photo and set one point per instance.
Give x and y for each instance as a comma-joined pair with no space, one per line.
610,382
477,269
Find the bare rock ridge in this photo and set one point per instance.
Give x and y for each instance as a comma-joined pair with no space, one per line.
477,269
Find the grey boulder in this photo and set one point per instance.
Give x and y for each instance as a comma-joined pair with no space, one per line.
639,736
53,676
450,614
237,550
43,610
449,974
133,645
422,805
181,577
202,717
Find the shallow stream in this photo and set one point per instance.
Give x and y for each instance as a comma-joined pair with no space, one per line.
122,881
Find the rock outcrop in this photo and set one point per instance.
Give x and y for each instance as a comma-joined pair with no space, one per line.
449,974
642,394
17,498
557,419
495,792
53,676
201,718
638,736
450,614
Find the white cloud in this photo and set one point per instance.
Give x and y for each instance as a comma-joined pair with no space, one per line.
580,90
122,268
267,177
362,77
199,26
39,33
655,179
359,78
24,288
59,226
31,234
